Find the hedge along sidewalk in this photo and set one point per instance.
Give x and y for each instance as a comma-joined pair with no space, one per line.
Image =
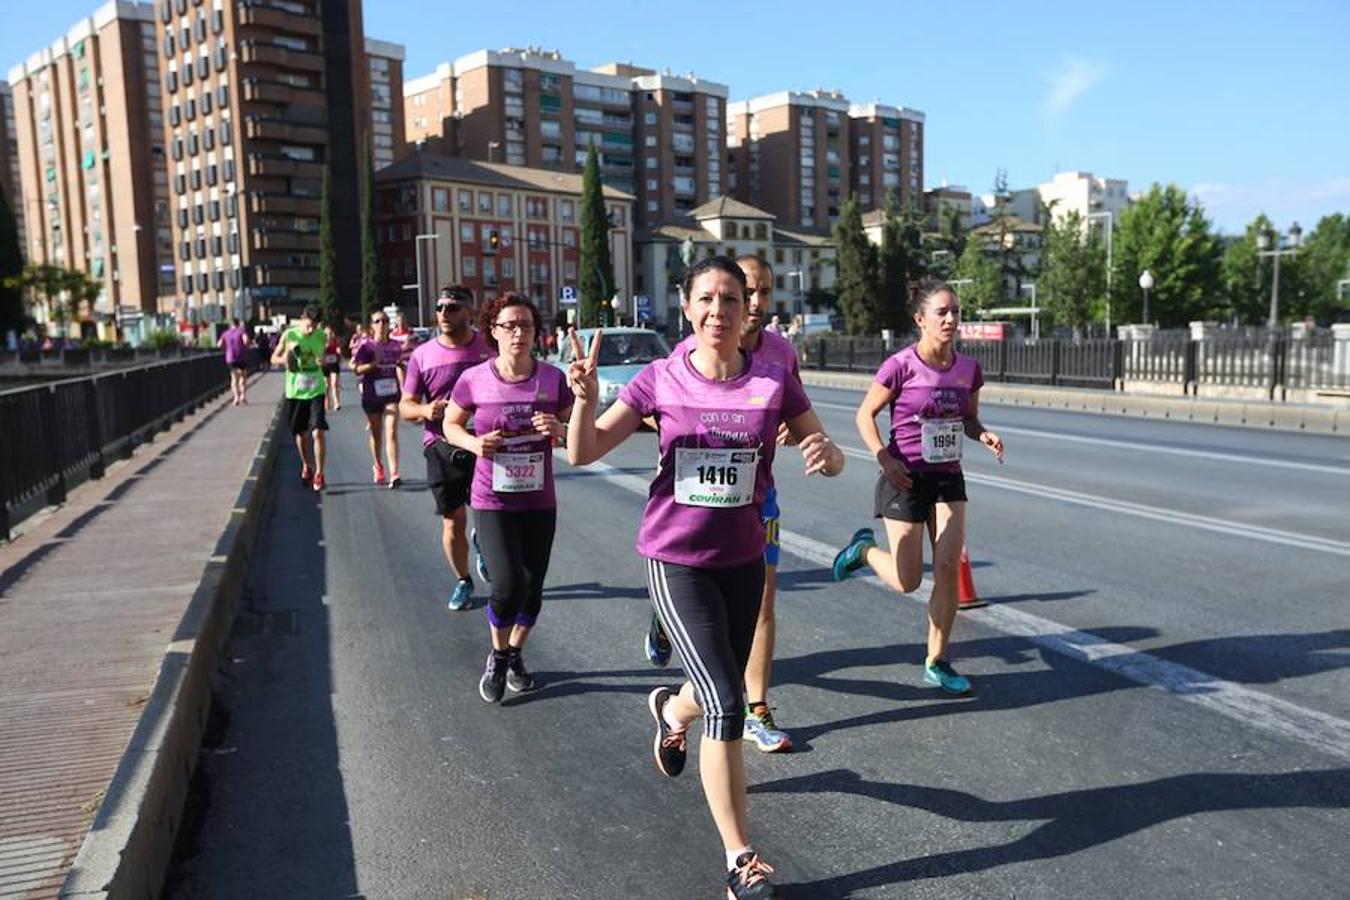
1267,414
111,613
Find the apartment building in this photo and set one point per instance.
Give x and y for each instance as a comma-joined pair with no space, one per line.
790,153
886,149
659,136
1080,192
9,159
438,215
91,163
388,133
940,203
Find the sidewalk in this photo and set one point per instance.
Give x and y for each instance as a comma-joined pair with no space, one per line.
1277,416
101,606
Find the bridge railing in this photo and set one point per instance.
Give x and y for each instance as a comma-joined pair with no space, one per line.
55,435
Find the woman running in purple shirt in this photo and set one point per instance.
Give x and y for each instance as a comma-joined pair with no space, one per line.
516,403
933,394
702,534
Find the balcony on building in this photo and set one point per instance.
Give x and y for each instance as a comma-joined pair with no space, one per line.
257,52
261,89
276,130
274,16
281,239
266,274
262,164
283,203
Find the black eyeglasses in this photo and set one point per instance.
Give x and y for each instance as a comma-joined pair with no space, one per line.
515,327
449,306
379,321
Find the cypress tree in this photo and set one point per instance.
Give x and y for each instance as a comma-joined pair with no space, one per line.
596,278
12,314
370,257
329,306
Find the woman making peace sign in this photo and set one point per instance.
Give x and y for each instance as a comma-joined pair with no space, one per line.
719,408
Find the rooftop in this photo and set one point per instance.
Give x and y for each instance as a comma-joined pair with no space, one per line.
422,164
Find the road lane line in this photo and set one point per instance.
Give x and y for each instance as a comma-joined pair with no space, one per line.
1143,511
1311,728
1342,471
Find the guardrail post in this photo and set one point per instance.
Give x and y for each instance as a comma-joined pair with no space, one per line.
52,441
1279,348
820,353
1190,369
849,365
94,427
1002,360
1055,347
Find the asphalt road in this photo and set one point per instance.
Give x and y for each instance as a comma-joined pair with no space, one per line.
1162,701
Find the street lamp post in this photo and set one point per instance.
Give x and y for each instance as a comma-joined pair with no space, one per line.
616,304
1268,244
1146,284
1110,230
421,301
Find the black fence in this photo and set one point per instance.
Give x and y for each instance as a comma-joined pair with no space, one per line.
1274,362
57,358
56,435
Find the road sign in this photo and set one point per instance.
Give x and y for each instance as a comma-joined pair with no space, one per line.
567,295
642,308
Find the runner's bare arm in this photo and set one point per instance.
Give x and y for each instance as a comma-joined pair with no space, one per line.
877,398
975,429
818,450
279,353
587,439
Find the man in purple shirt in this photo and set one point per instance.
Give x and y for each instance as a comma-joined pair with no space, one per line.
432,370
235,342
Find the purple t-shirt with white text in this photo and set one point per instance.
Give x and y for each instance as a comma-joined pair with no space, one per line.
696,412
924,392
387,356
509,406
433,369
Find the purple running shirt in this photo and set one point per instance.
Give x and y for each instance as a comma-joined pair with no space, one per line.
380,383
235,346
433,369
520,476
929,409
717,447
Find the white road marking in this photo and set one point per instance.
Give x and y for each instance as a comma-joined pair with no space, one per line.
1320,731
1156,513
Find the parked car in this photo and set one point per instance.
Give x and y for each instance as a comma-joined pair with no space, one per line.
623,353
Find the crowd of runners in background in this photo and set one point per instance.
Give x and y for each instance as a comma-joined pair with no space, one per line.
722,404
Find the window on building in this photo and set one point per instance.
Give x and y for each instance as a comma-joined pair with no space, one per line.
485,202
470,267
466,232
440,200
504,205
568,211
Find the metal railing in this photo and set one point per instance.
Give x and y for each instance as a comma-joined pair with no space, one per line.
54,436
1274,362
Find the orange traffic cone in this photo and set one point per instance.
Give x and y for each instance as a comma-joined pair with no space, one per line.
967,598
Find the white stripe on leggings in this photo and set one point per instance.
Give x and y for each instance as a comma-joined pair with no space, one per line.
694,666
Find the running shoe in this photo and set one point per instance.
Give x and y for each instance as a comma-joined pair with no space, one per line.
493,683
750,879
518,678
395,481
656,644
940,673
854,555
669,746
479,563
760,728
462,598
378,471
306,474
319,482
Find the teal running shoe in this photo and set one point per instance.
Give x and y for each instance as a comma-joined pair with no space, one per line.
941,674
854,555
462,598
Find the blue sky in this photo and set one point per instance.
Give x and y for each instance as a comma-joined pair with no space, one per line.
1244,104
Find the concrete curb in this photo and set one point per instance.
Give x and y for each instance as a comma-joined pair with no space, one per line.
127,850
1327,420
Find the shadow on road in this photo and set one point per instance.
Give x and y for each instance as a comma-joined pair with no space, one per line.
592,590
1072,821
269,771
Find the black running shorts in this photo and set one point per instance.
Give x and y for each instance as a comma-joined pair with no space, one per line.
916,504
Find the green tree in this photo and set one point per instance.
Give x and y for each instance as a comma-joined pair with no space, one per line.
45,283
370,256
1324,262
330,307
81,287
1073,271
1168,235
12,314
857,283
595,281
979,283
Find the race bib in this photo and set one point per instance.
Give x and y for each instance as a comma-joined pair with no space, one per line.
942,440
386,387
715,478
517,473
305,382
330,359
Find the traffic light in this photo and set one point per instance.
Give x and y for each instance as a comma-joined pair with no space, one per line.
494,240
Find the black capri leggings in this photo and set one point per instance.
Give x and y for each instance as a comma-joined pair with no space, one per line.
517,545
710,617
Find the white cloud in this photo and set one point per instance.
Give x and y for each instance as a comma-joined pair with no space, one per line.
1068,84
1232,206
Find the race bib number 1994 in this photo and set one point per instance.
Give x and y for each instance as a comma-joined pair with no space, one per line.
942,440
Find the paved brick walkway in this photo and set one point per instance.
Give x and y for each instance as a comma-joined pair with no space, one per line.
89,599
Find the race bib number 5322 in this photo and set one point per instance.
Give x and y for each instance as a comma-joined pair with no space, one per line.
516,473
